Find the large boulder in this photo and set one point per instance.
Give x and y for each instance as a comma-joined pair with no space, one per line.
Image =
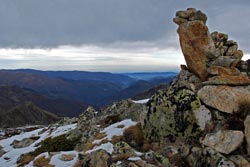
171,115
224,98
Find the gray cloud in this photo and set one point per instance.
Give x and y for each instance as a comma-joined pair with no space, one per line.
50,23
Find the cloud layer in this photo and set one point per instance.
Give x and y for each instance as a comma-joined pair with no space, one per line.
49,23
107,35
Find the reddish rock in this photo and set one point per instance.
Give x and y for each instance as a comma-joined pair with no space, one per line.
196,44
224,98
228,80
218,70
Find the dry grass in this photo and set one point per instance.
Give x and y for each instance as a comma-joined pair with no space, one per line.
244,108
104,141
25,159
89,146
77,164
100,136
134,135
235,121
41,161
111,119
120,126
116,139
146,147
151,146
67,157
120,157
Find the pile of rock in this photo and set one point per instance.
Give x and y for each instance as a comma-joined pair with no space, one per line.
212,57
204,114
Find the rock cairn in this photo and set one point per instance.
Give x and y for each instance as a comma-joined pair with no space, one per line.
214,58
205,113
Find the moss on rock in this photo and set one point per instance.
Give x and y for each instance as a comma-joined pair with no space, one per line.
170,115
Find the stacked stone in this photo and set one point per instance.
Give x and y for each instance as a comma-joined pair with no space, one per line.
223,67
196,42
212,57
189,15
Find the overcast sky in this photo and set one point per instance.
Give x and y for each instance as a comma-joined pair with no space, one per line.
107,35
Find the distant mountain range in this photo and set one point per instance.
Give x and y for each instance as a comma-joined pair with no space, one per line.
150,75
70,92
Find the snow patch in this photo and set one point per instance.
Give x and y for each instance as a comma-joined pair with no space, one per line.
134,158
13,154
63,130
113,130
143,101
109,147
55,160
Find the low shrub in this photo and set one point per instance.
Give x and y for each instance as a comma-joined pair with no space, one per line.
134,136
41,161
59,143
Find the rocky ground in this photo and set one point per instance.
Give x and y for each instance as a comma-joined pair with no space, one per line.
201,120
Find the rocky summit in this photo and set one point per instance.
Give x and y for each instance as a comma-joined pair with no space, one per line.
202,119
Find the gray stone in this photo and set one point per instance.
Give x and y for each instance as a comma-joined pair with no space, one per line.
224,61
2,152
231,50
247,132
199,16
230,43
97,158
208,157
23,143
185,14
224,98
203,115
224,141
239,161
179,20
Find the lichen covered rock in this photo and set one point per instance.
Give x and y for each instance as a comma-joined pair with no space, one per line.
97,158
171,115
208,157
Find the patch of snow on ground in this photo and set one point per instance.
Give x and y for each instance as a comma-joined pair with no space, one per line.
113,130
13,154
55,160
138,153
109,147
143,101
134,158
62,130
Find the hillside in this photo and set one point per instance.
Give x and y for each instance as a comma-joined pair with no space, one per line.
119,79
26,114
84,91
12,96
150,92
81,88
